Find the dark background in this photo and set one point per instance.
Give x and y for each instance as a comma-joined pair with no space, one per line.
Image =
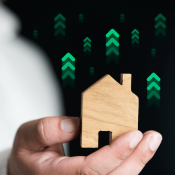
99,18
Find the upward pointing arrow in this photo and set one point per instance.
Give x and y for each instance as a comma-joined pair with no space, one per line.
60,24
153,84
87,39
135,31
59,16
87,44
112,40
68,73
153,93
160,16
160,23
112,31
153,75
68,64
135,36
68,55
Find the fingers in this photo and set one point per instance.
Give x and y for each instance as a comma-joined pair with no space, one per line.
48,131
109,157
146,149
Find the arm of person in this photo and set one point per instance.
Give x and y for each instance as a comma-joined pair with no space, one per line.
30,89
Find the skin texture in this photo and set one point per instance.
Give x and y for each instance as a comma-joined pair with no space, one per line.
38,150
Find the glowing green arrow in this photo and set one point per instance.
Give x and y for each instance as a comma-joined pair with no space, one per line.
135,31
153,93
87,48
112,40
87,44
153,75
112,31
60,23
68,64
60,16
153,84
135,41
60,31
68,55
160,31
135,36
68,73
160,23
112,49
87,39
160,16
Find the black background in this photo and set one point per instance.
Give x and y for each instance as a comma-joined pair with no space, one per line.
99,18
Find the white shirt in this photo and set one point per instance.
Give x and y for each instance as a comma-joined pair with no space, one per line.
28,87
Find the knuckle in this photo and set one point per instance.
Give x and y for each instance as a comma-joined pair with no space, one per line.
142,160
120,157
40,129
88,171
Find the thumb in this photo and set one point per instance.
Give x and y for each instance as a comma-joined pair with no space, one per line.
47,131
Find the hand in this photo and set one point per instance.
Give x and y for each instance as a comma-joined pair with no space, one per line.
38,150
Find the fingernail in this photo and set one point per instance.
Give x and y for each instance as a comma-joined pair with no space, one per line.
135,140
70,125
155,141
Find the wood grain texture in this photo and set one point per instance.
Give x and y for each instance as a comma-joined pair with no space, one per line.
108,106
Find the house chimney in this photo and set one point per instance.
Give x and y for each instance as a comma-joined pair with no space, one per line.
125,80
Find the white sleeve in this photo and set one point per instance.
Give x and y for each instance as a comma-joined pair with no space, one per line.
4,157
27,86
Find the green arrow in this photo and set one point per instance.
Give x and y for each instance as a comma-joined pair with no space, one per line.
135,41
60,16
160,16
35,31
68,73
153,93
153,84
112,40
60,24
68,55
160,31
112,49
160,23
87,48
87,44
122,15
112,31
60,31
153,52
87,39
135,36
135,31
68,64
153,75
